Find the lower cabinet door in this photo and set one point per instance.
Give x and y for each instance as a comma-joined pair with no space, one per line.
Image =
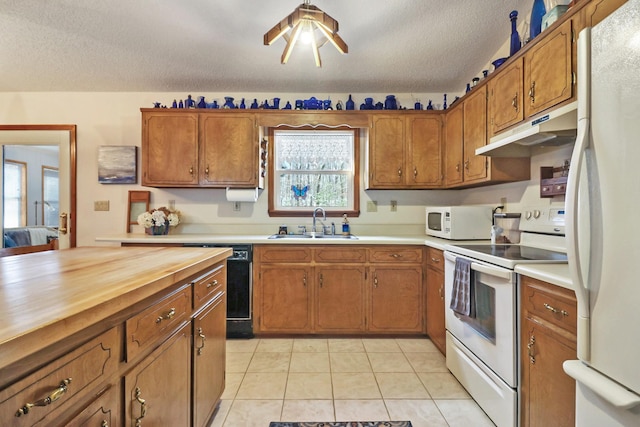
283,298
209,351
340,299
158,389
396,299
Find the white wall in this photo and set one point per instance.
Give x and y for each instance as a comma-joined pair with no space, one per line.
115,119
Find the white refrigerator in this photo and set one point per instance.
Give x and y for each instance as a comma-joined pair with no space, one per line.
603,222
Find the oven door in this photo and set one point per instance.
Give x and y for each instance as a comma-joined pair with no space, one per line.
491,334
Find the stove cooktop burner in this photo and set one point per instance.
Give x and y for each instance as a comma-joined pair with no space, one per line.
517,252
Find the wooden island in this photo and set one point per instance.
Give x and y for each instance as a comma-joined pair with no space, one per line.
112,336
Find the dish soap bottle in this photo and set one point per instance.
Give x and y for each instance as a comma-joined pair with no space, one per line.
345,226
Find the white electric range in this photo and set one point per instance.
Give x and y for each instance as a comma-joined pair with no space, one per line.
482,349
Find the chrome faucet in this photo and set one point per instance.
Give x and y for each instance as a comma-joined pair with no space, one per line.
324,217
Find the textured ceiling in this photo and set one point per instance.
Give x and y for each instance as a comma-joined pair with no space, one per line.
395,46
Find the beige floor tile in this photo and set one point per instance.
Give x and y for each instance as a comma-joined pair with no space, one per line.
278,345
421,413
270,362
221,414
310,345
308,410
401,386
262,385
242,345
232,384
253,413
361,410
427,362
238,362
443,386
355,386
309,386
349,362
383,345
389,362
346,345
309,362
416,345
463,413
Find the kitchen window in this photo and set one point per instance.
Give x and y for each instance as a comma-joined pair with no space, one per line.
311,168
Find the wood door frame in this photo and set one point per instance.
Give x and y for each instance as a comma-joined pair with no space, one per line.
72,173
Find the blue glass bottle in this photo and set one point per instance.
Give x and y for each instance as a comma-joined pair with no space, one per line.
515,37
537,13
350,104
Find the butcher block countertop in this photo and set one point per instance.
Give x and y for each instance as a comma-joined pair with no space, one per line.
48,296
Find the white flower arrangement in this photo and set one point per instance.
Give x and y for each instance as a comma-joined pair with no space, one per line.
158,217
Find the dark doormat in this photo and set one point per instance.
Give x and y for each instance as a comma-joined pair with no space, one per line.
344,424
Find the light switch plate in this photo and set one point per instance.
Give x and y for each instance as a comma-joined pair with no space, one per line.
394,206
372,206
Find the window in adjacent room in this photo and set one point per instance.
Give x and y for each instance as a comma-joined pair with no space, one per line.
311,168
50,199
15,194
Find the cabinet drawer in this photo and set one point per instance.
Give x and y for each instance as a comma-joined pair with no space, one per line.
66,381
209,285
396,254
435,259
283,254
340,254
550,304
157,322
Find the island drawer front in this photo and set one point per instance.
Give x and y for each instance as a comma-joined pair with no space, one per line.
209,285
157,322
340,254
278,253
83,370
435,259
551,304
396,254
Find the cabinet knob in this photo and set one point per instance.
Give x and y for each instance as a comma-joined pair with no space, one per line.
191,170
415,172
206,171
457,167
399,172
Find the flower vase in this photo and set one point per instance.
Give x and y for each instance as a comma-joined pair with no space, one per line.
158,230
515,37
537,12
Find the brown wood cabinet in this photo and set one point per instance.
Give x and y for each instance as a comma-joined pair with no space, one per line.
548,339
309,289
465,131
506,97
405,150
435,299
199,149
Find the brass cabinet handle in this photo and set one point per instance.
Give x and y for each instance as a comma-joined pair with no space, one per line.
396,255
169,315
321,279
203,338
63,223
415,172
104,423
206,171
399,171
212,284
375,280
304,280
555,310
49,399
143,407
532,92
531,349
466,164
457,167
514,102
440,292
434,259
191,170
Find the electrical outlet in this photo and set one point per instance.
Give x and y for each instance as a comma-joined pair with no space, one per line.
101,205
394,206
372,206
236,206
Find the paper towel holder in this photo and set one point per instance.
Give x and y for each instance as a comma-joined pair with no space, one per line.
242,194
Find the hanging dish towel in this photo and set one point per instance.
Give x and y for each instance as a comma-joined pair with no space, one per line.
462,294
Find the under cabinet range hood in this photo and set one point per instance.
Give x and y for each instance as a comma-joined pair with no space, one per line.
556,127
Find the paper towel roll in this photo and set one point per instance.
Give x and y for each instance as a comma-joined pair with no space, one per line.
242,194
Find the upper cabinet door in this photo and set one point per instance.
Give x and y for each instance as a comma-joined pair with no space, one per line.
424,151
505,97
453,140
230,150
475,135
548,76
169,149
386,151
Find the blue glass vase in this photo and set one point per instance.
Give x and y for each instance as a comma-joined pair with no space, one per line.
515,37
537,13
350,104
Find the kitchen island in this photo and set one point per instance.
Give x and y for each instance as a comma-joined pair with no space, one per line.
80,327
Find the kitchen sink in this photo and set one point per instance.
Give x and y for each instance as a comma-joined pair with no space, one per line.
313,236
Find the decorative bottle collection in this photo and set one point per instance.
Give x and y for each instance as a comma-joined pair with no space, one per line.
515,37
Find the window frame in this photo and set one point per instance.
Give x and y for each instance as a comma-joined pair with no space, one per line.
44,199
352,211
23,191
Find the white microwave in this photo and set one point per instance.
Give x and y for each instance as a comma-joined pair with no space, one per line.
459,222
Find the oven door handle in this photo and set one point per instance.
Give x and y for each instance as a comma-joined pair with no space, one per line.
491,270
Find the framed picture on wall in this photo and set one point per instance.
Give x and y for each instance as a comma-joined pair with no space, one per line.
117,164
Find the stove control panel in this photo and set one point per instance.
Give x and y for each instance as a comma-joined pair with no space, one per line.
545,219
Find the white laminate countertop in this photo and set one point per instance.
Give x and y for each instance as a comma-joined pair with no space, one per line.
556,274
227,239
